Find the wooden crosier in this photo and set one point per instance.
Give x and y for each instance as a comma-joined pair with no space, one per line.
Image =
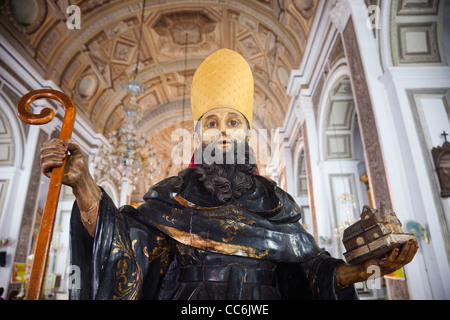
37,276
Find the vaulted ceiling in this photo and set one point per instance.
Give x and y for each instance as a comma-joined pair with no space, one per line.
92,63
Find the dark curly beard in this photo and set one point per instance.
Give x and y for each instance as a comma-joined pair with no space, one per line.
224,180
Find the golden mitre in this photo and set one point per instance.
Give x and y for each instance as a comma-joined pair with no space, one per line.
223,80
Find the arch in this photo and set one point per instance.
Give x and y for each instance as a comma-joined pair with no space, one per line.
300,174
301,187
6,141
11,157
340,165
111,189
15,132
337,122
340,71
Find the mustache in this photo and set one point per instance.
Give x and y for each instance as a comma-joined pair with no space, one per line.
235,153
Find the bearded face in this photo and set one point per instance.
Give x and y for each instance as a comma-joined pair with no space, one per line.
225,163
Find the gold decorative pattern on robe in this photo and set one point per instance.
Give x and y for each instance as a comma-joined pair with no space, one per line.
160,251
230,218
126,289
199,242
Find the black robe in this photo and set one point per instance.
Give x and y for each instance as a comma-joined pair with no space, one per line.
180,244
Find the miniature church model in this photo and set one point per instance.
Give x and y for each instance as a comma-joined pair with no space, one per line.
377,233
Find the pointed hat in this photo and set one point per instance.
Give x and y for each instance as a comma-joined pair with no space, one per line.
223,80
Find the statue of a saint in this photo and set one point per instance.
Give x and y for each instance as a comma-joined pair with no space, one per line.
218,230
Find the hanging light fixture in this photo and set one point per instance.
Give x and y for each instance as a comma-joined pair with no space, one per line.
128,155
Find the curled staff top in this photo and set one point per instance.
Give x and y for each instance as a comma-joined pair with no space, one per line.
47,114
35,284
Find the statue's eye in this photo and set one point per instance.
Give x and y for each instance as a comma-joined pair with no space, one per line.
211,124
233,123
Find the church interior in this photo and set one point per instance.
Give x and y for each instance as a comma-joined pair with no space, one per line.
351,108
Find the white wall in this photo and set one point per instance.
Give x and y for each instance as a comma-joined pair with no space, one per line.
398,95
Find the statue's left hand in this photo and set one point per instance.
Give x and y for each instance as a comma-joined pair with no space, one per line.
396,259
347,274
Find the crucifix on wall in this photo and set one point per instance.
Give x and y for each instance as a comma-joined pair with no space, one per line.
445,134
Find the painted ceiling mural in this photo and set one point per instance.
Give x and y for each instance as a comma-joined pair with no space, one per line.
91,63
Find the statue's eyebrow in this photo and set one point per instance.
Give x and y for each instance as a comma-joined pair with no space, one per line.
211,116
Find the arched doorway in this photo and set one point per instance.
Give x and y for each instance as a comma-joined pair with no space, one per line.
342,160
344,168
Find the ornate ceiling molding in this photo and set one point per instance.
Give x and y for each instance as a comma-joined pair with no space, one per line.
91,63
416,32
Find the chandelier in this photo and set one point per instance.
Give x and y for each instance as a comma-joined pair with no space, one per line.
129,155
